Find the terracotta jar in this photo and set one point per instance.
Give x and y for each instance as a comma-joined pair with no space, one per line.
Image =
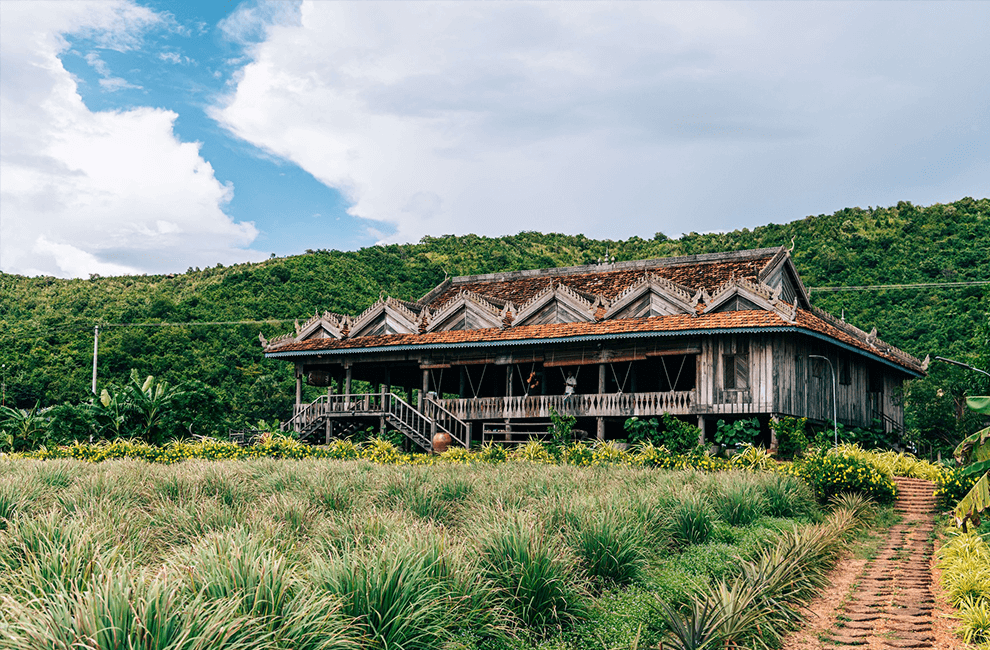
441,441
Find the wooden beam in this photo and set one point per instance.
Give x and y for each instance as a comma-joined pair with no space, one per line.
673,352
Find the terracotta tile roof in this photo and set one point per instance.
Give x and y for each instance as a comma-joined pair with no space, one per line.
609,284
673,323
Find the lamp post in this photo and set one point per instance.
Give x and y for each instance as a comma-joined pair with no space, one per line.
960,363
835,406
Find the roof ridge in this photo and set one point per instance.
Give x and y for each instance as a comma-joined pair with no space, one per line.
632,265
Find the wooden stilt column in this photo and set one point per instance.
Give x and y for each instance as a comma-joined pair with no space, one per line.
425,390
701,425
299,374
347,381
774,419
600,433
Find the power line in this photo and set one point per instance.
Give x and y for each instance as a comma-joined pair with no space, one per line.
922,285
271,321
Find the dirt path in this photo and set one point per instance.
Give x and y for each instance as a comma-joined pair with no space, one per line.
888,602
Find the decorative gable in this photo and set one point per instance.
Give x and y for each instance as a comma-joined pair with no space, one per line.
327,325
739,294
466,311
652,296
557,303
386,316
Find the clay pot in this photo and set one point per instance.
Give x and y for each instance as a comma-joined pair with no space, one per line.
441,441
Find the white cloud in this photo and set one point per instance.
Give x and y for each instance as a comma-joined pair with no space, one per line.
97,192
617,118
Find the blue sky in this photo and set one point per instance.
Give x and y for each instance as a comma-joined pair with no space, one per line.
143,137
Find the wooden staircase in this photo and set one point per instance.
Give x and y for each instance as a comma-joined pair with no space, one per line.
348,413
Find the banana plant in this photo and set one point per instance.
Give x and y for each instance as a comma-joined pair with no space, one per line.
22,428
974,452
150,401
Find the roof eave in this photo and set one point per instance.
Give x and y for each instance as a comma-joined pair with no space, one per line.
581,338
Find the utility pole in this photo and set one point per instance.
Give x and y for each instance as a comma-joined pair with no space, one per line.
835,406
3,370
96,352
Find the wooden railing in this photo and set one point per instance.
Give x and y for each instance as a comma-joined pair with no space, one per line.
593,405
421,426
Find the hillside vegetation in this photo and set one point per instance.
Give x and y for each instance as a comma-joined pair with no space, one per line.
46,323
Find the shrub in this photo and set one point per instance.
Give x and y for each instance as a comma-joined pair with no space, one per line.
791,437
577,453
740,432
534,451
676,436
492,453
952,485
606,453
845,469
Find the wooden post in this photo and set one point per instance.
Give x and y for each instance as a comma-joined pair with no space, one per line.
701,425
298,387
425,390
774,418
600,433
467,440
328,429
460,390
347,382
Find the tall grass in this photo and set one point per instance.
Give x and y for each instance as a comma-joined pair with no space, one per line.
331,554
532,573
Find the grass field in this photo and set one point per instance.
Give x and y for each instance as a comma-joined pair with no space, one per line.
330,554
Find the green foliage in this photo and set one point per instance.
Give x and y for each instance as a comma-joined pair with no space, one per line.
952,485
674,435
691,521
46,324
792,440
831,471
609,548
974,452
740,432
965,564
22,429
533,578
561,429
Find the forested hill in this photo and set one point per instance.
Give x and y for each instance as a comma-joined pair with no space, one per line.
46,323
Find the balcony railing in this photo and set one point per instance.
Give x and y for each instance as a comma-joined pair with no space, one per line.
593,405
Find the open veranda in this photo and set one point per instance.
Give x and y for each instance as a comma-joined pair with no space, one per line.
321,553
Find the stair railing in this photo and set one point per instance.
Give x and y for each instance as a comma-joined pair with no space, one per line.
305,414
446,421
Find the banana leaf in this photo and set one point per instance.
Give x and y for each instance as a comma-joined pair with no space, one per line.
979,404
974,503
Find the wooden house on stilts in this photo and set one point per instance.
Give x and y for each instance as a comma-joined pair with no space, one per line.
705,337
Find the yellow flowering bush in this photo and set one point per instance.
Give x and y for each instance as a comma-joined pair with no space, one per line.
847,468
578,454
951,486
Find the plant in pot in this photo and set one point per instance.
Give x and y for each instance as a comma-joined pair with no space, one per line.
733,435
